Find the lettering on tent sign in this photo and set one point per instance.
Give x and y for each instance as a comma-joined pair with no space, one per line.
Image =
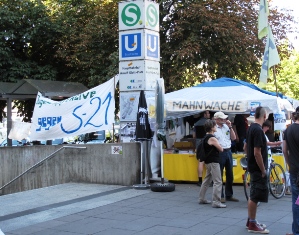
224,106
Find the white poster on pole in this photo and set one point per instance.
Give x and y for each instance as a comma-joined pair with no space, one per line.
138,75
128,102
87,112
280,121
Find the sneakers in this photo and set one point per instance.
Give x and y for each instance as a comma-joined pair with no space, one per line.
262,225
199,184
223,200
232,199
218,205
256,228
204,201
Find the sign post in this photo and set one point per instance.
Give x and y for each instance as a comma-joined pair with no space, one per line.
139,56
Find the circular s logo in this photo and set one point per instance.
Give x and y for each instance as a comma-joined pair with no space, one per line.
152,15
130,15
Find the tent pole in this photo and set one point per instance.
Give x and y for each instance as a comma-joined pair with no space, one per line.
9,120
112,137
141,185
162,162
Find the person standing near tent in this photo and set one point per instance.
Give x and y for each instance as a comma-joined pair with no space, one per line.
266,126
225,134
240,127
257,158
212,146
291,153
293,115
198,134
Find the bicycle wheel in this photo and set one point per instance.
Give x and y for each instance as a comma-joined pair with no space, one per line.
277,184
246,184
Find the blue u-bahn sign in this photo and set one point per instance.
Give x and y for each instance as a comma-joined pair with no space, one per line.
139,45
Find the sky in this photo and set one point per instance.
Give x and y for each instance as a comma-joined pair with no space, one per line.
294,5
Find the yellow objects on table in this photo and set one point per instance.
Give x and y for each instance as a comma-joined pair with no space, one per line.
183,167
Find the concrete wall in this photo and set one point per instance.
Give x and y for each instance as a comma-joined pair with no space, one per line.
95,164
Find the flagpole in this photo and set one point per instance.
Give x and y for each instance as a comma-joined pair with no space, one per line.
275,81
271,56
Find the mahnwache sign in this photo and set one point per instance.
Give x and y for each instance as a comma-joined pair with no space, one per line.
224,106
138,15
138,75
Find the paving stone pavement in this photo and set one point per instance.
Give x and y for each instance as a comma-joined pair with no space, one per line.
75,208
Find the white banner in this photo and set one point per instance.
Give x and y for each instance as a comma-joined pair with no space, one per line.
87,112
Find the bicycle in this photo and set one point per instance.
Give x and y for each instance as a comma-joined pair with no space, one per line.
275,174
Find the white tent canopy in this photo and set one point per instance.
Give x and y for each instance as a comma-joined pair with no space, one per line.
224,94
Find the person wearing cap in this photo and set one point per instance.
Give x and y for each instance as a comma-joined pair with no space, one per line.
225,135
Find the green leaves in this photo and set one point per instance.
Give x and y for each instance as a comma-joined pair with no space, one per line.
77,40
218,38
287,76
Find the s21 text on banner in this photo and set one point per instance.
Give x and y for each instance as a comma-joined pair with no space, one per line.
87,112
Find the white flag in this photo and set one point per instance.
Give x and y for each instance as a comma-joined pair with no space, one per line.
270,58
263,19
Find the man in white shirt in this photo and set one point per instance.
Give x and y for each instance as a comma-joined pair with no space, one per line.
225,134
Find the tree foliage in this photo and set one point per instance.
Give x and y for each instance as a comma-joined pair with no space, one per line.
287,77
207,39
27,39
89,41
77,40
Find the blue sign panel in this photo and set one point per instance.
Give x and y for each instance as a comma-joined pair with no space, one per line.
152,47
131,45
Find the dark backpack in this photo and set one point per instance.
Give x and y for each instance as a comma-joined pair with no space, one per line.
200,151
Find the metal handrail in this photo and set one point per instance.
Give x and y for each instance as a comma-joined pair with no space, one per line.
38,164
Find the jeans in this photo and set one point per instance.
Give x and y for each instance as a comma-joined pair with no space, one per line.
226,161
295,208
